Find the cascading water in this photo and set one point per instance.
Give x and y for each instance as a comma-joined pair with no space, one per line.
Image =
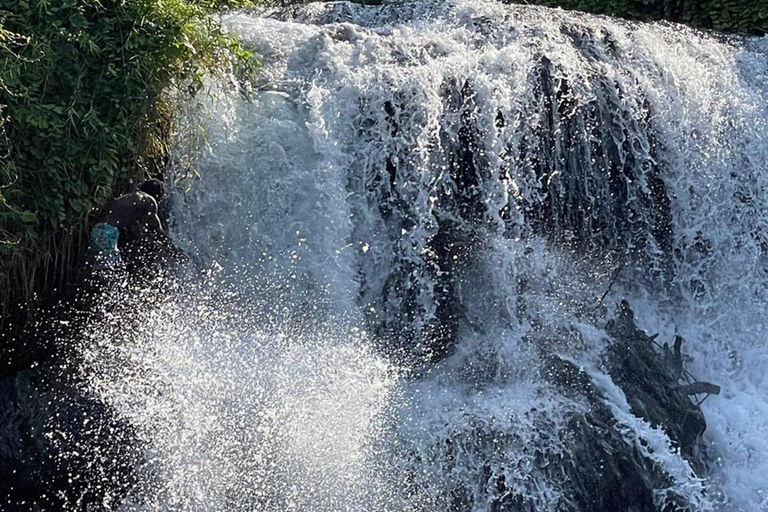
408,227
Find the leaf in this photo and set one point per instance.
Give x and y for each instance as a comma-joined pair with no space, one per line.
28,217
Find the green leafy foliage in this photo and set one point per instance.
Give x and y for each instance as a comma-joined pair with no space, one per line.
82,114
746,16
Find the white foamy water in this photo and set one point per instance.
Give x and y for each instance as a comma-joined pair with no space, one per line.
235,415
466,166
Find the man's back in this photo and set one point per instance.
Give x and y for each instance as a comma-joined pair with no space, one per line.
132,214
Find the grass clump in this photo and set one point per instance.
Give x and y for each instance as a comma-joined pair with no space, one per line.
84,113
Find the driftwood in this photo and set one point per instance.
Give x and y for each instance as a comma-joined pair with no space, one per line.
673,357
701,388
610,285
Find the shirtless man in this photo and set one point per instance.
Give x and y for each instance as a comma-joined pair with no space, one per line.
124,220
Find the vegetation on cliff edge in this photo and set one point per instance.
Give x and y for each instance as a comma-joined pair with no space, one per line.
84,114
745,16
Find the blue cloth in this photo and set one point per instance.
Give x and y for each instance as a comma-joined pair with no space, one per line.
103,245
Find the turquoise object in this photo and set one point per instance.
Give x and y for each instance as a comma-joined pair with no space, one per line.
103,244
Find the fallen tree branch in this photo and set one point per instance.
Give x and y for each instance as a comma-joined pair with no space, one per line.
700,388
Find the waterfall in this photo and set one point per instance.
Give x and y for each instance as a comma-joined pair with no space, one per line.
414,226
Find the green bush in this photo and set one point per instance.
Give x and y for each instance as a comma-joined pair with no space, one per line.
83,115
746,16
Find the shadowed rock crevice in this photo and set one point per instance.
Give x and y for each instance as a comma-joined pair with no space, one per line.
597,163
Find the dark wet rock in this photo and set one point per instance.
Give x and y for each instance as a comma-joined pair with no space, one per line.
26,461
58,449
571,379
605,472
601,470
590,461
651,386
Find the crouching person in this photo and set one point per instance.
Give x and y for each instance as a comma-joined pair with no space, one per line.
128,221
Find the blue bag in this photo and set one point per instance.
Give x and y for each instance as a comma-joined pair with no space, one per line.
103,244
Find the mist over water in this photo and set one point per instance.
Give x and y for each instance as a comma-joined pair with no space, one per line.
416,207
